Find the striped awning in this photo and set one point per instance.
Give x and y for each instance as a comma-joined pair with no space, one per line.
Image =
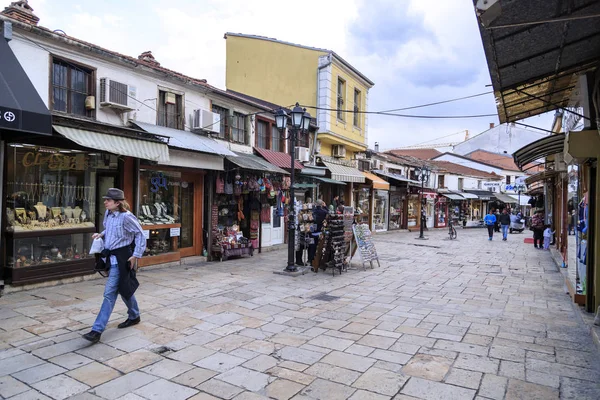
190,159
453,196
344,173
376,181
116,144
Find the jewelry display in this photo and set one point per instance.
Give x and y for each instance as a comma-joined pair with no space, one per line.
77,212
56,212
41,210
68,212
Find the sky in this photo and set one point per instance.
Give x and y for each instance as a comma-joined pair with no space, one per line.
416,51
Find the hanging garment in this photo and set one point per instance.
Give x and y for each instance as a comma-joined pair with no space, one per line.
265,214
228,186
220,185
254,222
240,213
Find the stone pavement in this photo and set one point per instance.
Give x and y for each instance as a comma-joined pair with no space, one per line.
464,319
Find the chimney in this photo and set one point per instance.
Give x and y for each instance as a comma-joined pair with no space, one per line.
377,146
466,135
492,125
148,57
21,11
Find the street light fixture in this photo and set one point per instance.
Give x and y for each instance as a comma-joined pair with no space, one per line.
300,124
424,173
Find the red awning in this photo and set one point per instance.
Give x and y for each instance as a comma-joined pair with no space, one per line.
282,160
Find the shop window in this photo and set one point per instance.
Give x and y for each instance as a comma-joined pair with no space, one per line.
380,210
51,208
238,128
341,99
262,135
461,183
396,210
223,120
441,183
356,119
71,84
170,110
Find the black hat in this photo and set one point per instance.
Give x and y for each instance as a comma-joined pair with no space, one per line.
114,194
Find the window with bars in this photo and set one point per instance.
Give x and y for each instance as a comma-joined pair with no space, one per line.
170,110
71,84
238,128
341,98
223,120
262,135
357,108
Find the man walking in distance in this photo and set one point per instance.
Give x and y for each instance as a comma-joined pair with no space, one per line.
490,221
504,223
121,229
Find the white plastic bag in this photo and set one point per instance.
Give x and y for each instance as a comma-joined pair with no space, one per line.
97,246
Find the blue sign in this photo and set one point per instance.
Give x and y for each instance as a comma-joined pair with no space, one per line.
158,182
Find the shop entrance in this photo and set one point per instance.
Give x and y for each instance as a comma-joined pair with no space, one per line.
190,241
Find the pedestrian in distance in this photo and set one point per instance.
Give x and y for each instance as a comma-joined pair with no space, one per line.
490,221
121,230
505,223
548,233
537,226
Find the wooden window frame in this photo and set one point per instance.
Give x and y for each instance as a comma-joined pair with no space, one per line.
237,116
70,64
179,105
341,99
223,122
357,104
268,130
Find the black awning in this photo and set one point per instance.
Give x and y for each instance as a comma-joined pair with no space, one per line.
21,108
544,147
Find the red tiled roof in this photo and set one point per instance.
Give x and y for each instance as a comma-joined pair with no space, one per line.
423,154
498,160
458,169
282,160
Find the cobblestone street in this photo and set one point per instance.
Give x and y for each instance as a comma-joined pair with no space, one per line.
440,319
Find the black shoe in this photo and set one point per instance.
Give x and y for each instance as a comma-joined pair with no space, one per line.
92,336
129,322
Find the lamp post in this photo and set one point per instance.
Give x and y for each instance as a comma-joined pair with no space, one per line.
424,174
300,123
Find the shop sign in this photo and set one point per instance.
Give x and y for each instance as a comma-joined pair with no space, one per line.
56,161
174,232
516,187
8,118
157,182
491,184
430,196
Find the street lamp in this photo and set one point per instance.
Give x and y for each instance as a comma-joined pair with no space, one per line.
300,124
423,174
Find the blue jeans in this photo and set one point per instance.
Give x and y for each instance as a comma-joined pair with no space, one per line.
111,290
505,231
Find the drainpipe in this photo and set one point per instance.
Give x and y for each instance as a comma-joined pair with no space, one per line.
319,68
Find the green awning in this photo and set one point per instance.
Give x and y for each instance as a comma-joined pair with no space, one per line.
327,180
304,185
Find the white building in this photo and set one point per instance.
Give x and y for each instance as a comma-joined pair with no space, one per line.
500,139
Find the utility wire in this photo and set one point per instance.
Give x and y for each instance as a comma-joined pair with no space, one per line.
439,102
402,115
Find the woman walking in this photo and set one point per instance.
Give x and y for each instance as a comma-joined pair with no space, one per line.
537,226
121,230
490,222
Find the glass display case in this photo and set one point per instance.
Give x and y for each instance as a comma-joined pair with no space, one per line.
159,241
380,210
396,210
362,199
38,251
413,211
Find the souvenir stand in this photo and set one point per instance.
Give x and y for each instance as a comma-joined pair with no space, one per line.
242,201
305,230
335,242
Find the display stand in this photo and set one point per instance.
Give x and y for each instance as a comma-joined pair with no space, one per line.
364,243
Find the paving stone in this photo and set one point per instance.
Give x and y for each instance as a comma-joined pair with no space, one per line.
162,389
464,378
406,348
60,387
390,356
322,389
220,389
433,368
131,361
282,389
477,363
483,329
130,344
300,355
246,396
333,324
562,370
520,390
359,350
9,386
39,373
167,369
100,352
191,354
388,366
358,328
543,378
261,363
507,353
35,395
366,395
461,347
94,374
512,369
330,342
479,340
61,348
493,386
220,362
380,332
418,340
18,363
291,375
381,381
194,377
333,373
229,343
577,389
118,387
70,360
293,365
350,361
429,390
8,353
246,378
379,342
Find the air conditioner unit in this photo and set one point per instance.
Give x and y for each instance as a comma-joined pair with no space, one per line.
339,150
205,120
376,164
117,95
318,148
302,154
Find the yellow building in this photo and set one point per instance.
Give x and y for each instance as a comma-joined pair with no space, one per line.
285,73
